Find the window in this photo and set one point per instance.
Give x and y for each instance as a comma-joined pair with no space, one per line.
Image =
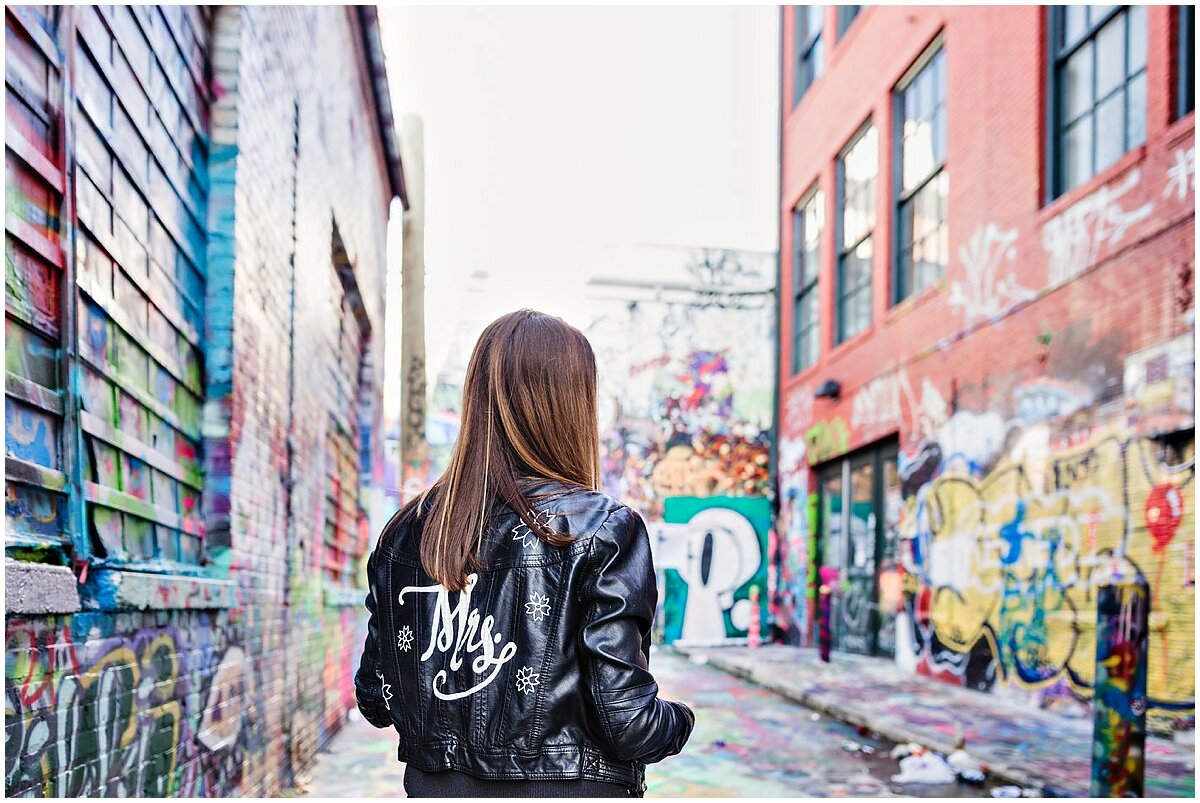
1099,88
1187,61
856,191
922,245
107,364
809,219
809,52
846,15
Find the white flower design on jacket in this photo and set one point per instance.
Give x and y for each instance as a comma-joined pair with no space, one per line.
526,536
385,690
404,639
538,606
527,679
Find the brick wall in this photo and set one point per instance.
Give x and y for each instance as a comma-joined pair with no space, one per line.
1040,393
204,644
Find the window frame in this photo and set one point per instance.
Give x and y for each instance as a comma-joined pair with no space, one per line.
800,293
846,18
1058,53
805,45
935,49
840,295
1185,62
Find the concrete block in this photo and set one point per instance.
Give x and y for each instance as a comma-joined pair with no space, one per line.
39,588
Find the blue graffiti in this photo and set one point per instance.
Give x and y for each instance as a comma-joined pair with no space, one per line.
1014,536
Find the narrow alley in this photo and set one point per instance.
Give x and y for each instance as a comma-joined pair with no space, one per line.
853,345
748,742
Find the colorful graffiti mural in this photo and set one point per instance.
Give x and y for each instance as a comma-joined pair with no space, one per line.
195,254
685,448
1002,566
102,707
1042,409
710,553
686,396
793,596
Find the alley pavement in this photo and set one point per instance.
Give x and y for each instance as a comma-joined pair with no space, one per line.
1020,744
748,742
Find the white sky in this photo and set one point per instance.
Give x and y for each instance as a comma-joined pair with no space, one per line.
555,138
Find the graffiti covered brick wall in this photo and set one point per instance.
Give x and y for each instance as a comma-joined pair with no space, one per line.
143,704
225,278
709,552
305,203
1039,397
686,420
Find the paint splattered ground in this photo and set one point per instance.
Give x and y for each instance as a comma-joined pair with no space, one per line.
1039,748
748,742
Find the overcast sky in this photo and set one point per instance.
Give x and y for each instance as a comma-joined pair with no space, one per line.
555,138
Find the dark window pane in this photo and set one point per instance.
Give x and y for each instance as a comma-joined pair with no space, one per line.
1076,23
846,15
939,74
798,338
806,331
939,136
1079,82
1110,130
860,264
856,173
904,275
1110,58
1100,107
814,223
921,209
1137,38
855,308
923,133
861,310
1187,60
1079,152
859,165
923,253
809,223
809,49
1136,134
814,21
1097,13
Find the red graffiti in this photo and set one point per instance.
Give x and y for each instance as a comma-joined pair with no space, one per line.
1164,512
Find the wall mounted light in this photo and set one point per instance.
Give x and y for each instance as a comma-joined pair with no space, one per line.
830,389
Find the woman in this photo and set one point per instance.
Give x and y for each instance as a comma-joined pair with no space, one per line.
510,604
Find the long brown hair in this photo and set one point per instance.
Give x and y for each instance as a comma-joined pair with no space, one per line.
528,411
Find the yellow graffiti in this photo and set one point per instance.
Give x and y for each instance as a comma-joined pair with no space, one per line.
118,658
1016,558
111,680
825,440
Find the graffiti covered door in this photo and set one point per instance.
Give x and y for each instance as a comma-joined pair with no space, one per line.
858,547
890,582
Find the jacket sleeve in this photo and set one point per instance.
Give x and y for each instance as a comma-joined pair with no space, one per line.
368,682
619,599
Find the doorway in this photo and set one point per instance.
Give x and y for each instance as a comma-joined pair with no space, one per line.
859,513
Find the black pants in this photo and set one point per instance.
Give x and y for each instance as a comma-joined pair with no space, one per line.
451,783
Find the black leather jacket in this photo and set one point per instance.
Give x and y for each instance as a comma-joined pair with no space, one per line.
540,669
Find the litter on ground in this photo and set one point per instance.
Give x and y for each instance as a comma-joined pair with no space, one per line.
924,768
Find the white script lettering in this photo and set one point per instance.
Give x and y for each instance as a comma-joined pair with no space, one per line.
454,629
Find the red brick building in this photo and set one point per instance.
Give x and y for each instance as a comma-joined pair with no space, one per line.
987,337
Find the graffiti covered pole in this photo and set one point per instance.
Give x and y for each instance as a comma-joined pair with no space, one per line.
824,630
754,631
414,450
1119,731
